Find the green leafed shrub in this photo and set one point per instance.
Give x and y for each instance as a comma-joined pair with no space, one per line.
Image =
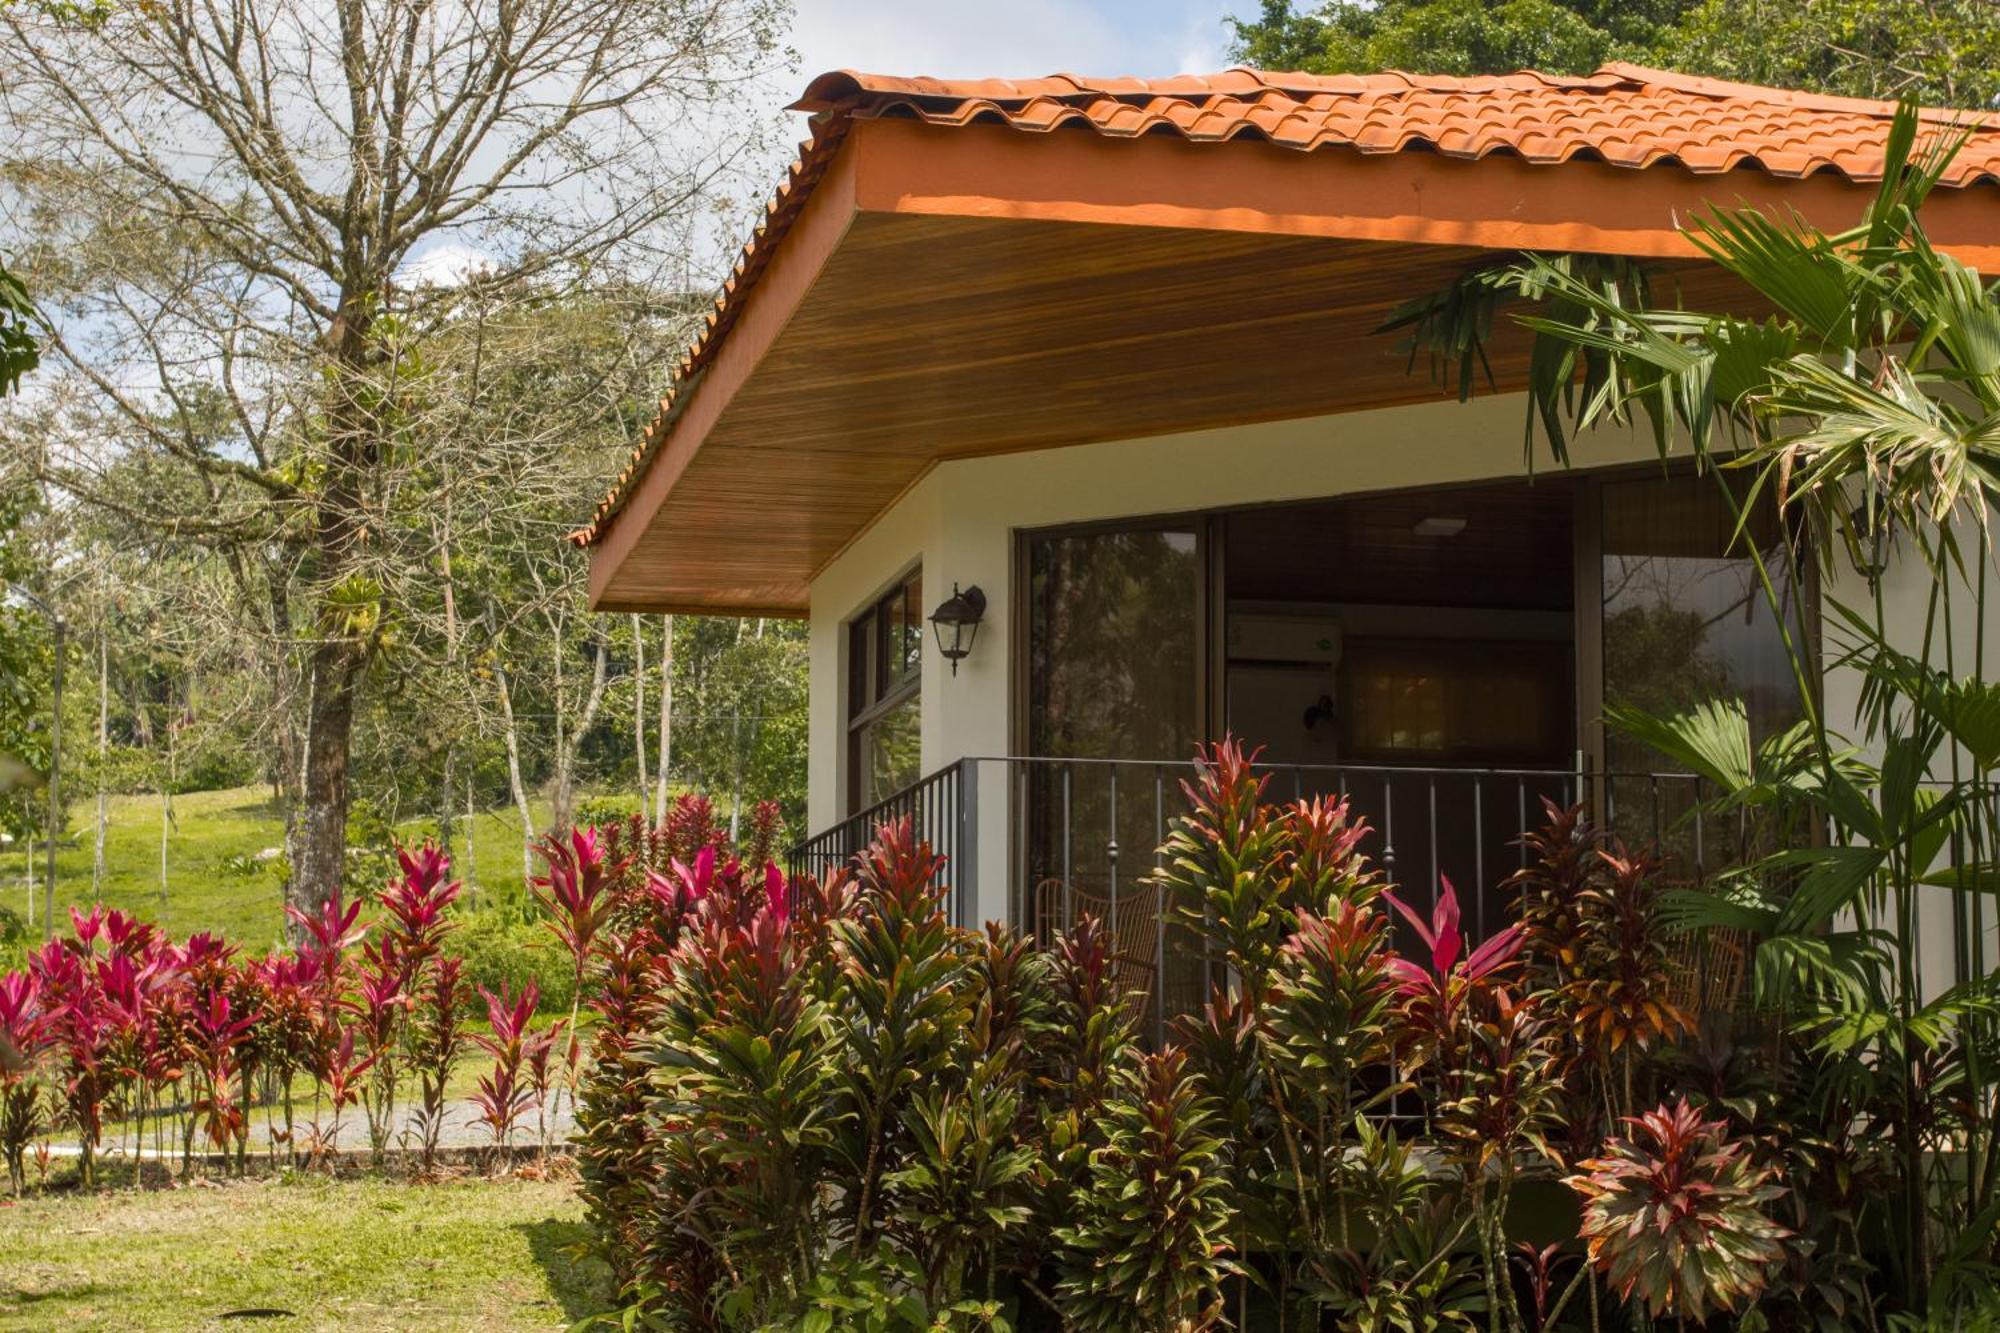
1148,1244
499,951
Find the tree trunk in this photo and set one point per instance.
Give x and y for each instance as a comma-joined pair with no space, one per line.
285,758
569,743
512,735
167,816
666,718
55,784
103,753
639,708
471,861
319,862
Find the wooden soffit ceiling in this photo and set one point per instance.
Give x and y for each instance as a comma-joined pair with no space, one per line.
951,293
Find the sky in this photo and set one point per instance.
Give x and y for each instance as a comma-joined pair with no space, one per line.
953,39
1013,38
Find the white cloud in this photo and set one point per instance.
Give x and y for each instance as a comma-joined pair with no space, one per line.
446,264
1010,38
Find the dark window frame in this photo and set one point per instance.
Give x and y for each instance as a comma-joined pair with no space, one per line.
874,686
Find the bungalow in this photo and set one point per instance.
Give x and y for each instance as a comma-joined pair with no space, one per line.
1062,410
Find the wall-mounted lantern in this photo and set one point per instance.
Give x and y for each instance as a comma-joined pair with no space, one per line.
957,623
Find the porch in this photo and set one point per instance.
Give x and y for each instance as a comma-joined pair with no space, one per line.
1053,839
1438,656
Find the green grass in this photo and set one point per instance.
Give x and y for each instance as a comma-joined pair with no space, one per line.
354,1254
203,890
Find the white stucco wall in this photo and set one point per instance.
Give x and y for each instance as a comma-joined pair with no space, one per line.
1907,606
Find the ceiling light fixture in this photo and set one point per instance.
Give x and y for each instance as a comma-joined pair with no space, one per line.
1439,526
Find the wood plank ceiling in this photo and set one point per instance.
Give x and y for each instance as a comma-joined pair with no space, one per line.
929,338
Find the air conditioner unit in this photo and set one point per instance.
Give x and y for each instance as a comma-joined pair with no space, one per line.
1263,636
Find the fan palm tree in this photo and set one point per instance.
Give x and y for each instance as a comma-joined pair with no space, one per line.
1866,407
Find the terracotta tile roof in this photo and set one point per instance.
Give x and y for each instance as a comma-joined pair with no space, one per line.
1623,115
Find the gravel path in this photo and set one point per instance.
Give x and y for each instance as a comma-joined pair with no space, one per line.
461,1130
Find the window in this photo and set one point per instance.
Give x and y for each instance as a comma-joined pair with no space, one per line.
885,647
1455,701
1685,617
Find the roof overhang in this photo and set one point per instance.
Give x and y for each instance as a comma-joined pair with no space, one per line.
944,293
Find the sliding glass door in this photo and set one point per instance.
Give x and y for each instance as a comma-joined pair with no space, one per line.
1686,620
1114,680
1114,643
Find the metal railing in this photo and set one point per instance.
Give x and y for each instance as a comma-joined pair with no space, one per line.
938,808
1041,842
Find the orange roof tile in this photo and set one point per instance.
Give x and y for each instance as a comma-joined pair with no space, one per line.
1623,115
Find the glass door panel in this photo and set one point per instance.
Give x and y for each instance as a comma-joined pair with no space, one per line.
1686,620
1114,681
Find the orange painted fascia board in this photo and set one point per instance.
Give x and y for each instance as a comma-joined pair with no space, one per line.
813,237
1497,202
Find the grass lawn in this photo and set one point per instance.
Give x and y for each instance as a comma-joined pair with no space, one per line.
204,890
353,1254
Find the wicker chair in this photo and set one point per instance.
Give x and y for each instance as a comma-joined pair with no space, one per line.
1709,971
1134,927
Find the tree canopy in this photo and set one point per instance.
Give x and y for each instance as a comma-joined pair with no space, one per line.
1943,52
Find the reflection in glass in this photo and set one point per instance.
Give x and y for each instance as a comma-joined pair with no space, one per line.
891,751
1113,655
885,656
1686,620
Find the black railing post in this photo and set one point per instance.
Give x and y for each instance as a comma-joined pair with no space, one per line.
967,779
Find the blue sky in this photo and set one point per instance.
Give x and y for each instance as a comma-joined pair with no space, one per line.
1013,38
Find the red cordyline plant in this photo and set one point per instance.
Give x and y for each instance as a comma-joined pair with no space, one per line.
436,1037
293,1025
218,1062
1675,1215
81,1034
617,1158
22,1038
538,1048
575,894
341,1077
325,940
380,996
690,826
397,973
503,1098
1435,999
416,903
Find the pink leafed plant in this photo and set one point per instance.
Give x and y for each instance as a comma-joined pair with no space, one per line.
1441,935
503,1099
576,895
416,903
22,1038
435,1040
218,1061
573,892
380,996
327,938
341,1076
539,1047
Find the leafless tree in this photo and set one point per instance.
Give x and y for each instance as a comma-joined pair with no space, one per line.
235,213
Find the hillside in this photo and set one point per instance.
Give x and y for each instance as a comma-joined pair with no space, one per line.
219,852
